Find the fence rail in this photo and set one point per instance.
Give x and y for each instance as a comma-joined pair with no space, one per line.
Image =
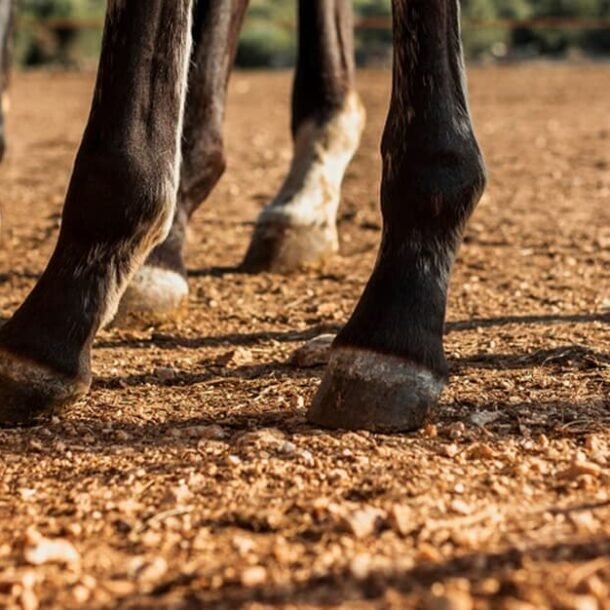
365,23
551,23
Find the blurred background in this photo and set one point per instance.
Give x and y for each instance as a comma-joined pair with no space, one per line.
67,33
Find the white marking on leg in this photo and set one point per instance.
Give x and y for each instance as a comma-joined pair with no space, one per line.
154,289
311,192
135,251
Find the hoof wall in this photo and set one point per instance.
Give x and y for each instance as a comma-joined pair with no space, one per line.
280,247
31,393
364,390
154,294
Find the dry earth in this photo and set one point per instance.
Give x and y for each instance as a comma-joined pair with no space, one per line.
189,479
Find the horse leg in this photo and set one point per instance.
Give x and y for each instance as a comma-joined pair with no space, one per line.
119,204
160,285
299,227
387,366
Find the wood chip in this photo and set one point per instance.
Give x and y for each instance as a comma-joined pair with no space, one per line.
578,469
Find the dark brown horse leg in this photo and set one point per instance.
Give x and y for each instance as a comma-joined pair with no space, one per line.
387,366
119,204
160,285
299,227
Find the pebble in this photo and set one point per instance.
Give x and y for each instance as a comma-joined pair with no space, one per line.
480,451
453,600
254,576
213,432
360,566
482,418
165,373
314,353
40,550
364,521
401,519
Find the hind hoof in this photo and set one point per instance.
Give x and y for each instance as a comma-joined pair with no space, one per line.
280,247
31,392
154,294
363,390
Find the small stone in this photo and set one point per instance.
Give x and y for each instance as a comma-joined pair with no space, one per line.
431,431
449,451
40,550
451,600
237,357
480,451
81,594
456,430
307,457
401,519
363,521
460,507
151,571
288,448
213,432
165,373
427,552
336,475
29,600
482,418
254,576
314,353
360,566
243,545
270,439
122,436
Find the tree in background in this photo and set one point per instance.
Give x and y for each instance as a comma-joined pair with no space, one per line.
60,42
268,36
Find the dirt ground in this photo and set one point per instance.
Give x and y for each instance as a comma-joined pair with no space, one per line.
188,478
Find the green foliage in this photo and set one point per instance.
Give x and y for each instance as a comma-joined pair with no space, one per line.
62,8
268,36
265,45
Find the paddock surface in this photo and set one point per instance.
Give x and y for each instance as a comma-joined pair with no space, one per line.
188,478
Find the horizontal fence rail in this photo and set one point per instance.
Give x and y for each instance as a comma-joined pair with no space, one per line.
365,23
551,23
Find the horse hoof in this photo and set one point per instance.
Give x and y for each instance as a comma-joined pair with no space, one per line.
154,294
31,392
364,390
281,247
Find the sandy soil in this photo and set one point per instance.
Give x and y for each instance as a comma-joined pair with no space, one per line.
189,479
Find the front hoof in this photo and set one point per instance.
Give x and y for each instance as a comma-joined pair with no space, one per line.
281,247
31,392
363,390
154,294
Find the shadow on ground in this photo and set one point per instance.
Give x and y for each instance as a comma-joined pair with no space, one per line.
342,586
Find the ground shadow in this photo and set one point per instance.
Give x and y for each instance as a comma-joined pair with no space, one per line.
575,356
171,341
475,323
209,374
562,420
340,587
